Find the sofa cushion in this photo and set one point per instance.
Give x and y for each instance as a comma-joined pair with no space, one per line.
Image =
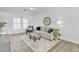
50,30
45,29
45,35
38,28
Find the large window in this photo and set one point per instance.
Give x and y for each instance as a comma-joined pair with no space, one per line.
16,23
24,23
20,23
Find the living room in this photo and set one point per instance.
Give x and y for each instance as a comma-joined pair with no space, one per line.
19,18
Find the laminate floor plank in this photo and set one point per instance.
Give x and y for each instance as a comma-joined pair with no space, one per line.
17,45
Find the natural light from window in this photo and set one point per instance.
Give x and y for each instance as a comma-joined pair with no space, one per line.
16,23
20,23
24,23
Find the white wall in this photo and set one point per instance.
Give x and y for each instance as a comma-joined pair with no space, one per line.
70,22
7,17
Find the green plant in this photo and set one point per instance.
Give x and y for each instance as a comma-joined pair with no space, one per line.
2,24
56,33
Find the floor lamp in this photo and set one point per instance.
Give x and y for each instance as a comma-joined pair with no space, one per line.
58,25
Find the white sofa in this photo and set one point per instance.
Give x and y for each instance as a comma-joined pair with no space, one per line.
44,33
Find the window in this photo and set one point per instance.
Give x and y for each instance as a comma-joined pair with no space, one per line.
24,23
16,23
20,23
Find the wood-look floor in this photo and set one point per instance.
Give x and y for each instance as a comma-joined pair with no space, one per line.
63,46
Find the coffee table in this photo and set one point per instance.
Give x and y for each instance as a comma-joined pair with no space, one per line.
34,36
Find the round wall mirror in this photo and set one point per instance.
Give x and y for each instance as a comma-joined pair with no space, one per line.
47,21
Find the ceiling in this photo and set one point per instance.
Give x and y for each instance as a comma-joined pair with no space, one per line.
26,10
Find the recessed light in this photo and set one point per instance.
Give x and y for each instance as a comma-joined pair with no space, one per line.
31,8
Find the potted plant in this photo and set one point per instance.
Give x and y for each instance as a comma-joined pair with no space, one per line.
56,33
2,24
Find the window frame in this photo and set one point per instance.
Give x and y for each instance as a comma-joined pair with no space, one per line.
20,23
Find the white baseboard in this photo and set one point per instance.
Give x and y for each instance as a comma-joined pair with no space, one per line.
73,41
11,33
17,33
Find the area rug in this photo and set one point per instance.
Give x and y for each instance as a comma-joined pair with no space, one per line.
41,45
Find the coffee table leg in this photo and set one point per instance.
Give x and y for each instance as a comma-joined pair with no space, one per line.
39,38
30,36
34,38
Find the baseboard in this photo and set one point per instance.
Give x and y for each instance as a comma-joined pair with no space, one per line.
17,33
73,41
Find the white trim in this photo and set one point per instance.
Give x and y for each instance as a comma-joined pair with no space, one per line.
73,41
